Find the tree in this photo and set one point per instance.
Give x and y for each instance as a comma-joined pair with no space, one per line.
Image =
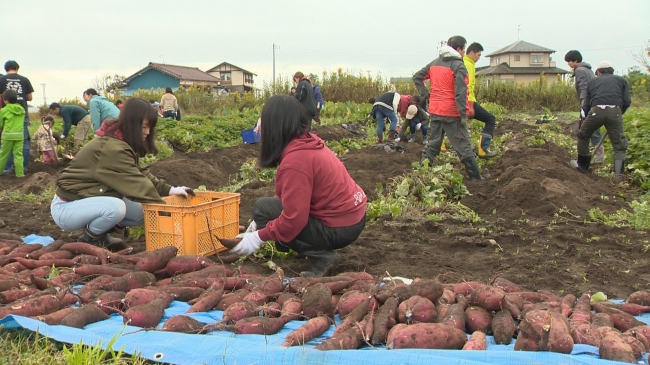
107,84
643,57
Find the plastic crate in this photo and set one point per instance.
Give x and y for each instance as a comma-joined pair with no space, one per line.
249,136
192,224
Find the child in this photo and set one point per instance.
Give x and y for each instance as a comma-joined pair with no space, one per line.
12,118
45,139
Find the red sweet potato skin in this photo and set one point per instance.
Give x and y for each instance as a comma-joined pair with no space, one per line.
183,324
350,300
156,260
311,329
38,306
317,300
146,315
478,319
417,309
260,325
614,347
503,327
477,341
428,336
238,311
487,297
84,315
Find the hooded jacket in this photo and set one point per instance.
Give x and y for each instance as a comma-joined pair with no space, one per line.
448,77
108,166
101,109
312,181
168,102
582,74
12,121
305,94
470,65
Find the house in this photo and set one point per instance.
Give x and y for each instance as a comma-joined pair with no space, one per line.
233,78
521,62
158,75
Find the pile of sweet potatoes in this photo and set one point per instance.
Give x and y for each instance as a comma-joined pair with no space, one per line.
422,314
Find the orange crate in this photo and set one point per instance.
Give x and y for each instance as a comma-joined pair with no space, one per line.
192,224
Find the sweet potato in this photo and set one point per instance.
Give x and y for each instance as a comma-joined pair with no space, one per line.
39,272
417,309
157,259
427,336
87,260
506,285
582,310
447,297
630,308
86,314
585,334
298,285
55,255
462,300
338,286
567,304
351,338
8,284
185,264
179,293
641,297
427,288
146,315
38,306
52,247
292,308
14,267
335,302
88,270
311,329
381,322
182,324
622,321
361,275
27,248
207,300
503,327
477,341
229,299
454,317
352,299
645,341
544,330
317,300
33,264
141,296
11,295
602,320
66,278
478,319
257,297
614,347
56,317
487,297
272,284
110,302
41,283
260,325
442,309
637,346
353,317
81,248
465,288
272,309
239,310
97,283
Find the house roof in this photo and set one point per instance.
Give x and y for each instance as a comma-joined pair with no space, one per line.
504,69
214,69
183,73
521,46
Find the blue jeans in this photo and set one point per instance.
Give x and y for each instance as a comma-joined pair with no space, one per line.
169,114
382,112
26,145
98,213
414,123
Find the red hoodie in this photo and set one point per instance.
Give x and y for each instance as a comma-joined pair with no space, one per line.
312,181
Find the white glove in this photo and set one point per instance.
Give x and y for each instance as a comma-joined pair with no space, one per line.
582,114
250,243
252,227
62,136
178,190
418,126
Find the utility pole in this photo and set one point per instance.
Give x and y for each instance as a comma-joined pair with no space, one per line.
518,30
44,98
274,48
163,58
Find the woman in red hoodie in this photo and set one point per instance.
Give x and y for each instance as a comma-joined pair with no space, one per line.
318,208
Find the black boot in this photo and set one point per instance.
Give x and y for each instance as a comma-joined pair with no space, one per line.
102,240
321,263
473,171
619,171
89,237
582,163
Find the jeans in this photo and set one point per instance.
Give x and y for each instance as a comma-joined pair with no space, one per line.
612,119
382,112
169,114
486,117
99,213
315,236
26,146
414,123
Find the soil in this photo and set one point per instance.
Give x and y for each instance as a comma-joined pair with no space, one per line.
533,207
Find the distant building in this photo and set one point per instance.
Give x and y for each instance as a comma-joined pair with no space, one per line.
521,62
157,75
232,78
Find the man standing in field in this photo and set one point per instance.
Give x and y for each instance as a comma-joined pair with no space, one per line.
100,108
472,55
607,98
582,74
23,87
73,115
448,104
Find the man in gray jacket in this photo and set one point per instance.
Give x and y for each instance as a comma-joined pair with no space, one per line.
582,74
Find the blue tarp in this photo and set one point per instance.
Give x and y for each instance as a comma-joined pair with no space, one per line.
223,347
33,239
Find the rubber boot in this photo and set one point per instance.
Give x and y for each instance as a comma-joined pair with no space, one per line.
412,139
473,171
112,243
321,263
484,146
402,132
89,237
599,157
391,137
619,171
581,164
380,138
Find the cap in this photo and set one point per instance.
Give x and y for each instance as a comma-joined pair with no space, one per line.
604,64
411,111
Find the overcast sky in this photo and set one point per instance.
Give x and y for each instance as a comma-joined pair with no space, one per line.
65,44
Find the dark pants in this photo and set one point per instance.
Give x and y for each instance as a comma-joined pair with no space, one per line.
26,146
486,117
458,136
413,124
315,236
612,119
169,114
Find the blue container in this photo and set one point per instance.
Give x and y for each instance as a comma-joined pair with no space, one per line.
249,136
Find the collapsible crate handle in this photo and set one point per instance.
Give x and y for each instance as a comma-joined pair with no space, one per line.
164,214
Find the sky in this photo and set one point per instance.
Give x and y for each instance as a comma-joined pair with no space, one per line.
62,46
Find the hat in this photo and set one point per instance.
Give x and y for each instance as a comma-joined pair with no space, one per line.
412,110
604,64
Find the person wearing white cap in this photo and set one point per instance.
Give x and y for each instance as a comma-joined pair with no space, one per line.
417,119
608,97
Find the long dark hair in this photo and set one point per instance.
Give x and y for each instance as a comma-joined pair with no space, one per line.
283,119
133,114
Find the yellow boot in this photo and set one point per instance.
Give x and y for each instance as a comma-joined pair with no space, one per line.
484,145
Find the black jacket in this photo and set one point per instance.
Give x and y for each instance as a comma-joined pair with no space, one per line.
305,94
608,89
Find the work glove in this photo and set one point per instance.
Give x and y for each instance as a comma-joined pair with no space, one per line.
582,113
252,227
418,126
63,136
181,190
249,243
463,121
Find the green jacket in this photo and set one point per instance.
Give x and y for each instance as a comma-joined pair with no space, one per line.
471,72
12,122
108,166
